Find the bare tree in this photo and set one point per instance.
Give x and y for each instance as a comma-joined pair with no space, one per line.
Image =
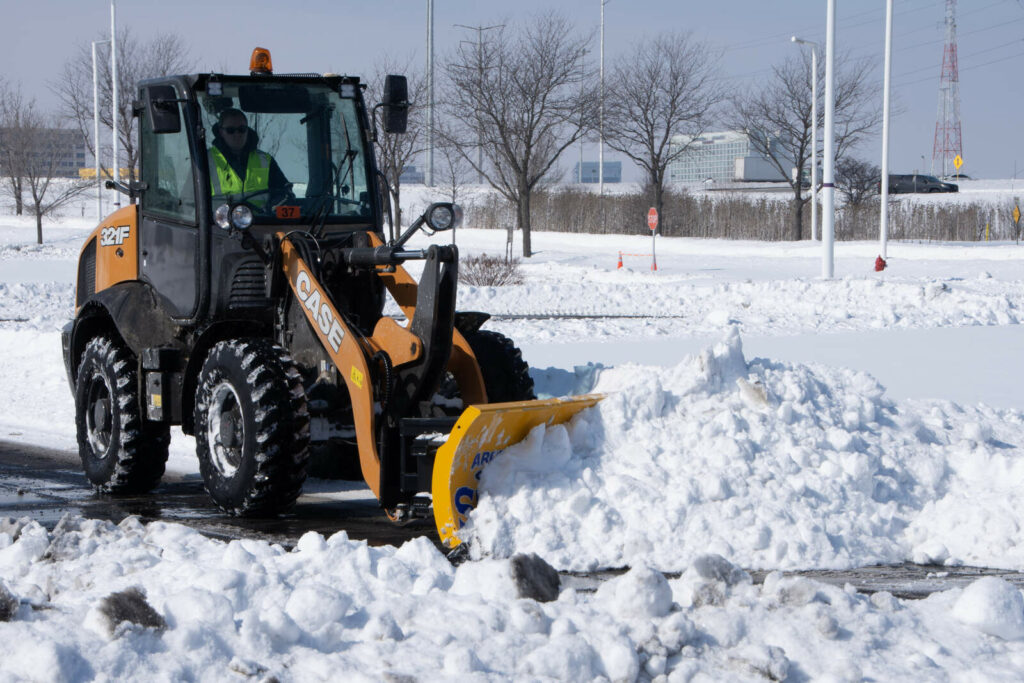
777,117
517,99
33,147
396,151
453,169
164,55
12,104
857,180
667,87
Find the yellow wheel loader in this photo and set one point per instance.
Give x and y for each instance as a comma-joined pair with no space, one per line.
246,303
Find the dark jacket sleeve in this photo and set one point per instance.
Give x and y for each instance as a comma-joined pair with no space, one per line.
277,179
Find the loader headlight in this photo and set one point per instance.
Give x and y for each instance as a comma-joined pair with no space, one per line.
241,217
444,216
227,217
222,216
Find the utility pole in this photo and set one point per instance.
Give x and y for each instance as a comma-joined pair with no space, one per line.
948,144
480,64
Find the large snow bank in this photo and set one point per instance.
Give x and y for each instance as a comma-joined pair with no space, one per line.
772,465
91,600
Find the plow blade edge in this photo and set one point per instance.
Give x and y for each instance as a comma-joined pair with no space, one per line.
479,436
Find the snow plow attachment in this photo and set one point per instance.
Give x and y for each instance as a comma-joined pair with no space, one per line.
481,433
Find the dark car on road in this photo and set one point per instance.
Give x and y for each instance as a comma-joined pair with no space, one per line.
899,184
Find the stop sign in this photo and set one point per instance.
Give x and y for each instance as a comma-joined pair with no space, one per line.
652,219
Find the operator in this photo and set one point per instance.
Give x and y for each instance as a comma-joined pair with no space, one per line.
238,168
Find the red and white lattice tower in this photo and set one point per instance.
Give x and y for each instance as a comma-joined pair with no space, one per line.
947,123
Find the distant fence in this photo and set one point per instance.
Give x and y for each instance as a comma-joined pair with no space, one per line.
740,216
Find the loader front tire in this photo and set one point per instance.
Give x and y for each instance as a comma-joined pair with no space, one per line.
506,374
121,452
252,427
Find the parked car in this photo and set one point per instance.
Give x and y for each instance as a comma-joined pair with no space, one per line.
919,183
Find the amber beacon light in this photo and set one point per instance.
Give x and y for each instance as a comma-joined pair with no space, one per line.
260,62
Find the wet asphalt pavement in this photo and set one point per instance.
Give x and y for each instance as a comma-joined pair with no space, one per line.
45,484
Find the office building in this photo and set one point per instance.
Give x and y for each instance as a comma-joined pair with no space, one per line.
725,156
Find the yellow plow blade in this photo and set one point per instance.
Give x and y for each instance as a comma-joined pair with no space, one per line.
479,435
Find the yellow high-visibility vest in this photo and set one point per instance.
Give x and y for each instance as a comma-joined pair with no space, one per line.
225,181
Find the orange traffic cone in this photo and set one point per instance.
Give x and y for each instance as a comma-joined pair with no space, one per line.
618,267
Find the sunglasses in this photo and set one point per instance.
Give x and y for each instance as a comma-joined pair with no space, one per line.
235,129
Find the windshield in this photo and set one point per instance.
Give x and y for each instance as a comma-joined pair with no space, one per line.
292,151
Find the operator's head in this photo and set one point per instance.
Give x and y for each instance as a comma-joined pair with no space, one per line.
234,129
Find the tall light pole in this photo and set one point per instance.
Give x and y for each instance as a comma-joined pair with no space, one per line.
600,133
814,133
828,181
116,171
480,63
430,94
884,219
96,129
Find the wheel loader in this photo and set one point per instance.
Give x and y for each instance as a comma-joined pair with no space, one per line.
272,321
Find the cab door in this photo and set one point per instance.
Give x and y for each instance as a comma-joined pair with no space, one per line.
169,232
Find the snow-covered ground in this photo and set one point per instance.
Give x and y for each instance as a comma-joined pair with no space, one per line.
758,417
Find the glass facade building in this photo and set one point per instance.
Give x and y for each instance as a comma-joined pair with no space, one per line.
612,172
725,156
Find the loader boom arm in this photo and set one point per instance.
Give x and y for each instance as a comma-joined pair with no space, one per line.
342,345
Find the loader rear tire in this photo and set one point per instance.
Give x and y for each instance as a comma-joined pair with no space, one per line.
121,452
506,374
252,427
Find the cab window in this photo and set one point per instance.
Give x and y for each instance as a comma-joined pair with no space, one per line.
167,173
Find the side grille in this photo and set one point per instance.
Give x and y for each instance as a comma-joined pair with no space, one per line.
249,285
86,273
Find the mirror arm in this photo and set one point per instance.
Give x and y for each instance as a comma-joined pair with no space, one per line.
132,189
411,231
373,121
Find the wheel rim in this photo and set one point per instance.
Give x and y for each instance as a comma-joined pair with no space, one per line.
99,418
225,429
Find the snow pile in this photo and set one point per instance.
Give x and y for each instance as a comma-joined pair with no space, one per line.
161,602
771,465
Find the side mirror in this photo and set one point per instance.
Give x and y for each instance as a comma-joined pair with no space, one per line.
162,109
396,104
438,217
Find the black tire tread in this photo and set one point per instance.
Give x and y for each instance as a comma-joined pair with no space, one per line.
281,418
506,374
140,447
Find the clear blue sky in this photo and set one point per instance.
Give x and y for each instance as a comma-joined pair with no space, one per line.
350,37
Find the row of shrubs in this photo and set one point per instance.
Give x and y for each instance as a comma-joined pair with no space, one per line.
735,215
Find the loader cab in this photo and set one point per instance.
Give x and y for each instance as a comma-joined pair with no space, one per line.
312,128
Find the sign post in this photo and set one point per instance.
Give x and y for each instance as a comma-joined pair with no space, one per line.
652,223
958,161
1016,219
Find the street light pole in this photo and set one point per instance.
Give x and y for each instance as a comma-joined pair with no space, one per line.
884,219
600,134
96,130
480,63
828,181
814,133
430,94
115,171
